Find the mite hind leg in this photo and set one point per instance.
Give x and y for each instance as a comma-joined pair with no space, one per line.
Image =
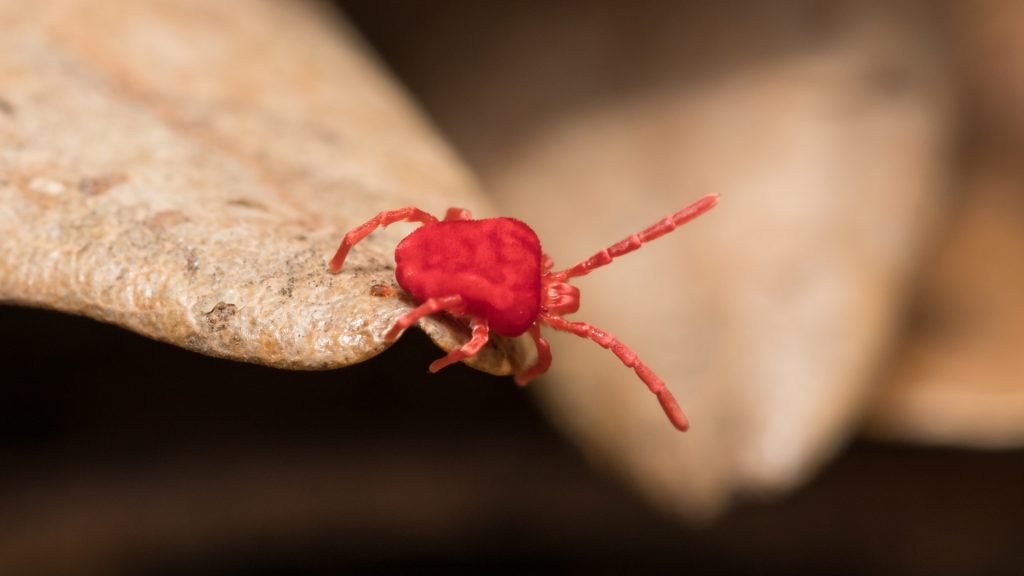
457,214
451,304
409,214
481,332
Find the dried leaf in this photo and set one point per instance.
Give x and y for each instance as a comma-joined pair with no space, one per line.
185,172
960,377
825,132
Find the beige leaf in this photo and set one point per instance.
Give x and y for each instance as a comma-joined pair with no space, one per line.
183,171
960,377
825,131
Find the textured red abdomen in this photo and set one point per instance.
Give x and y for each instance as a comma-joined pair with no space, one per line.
494,264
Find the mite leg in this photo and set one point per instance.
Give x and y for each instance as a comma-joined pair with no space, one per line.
481,333
430,306
629,358
383,219
457,214
546,263
656,230
543,358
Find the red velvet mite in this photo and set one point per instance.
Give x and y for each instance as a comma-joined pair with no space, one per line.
493,272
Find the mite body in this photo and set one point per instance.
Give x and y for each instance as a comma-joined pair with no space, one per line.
494,273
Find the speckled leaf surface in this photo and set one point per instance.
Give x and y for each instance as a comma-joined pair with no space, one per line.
185,172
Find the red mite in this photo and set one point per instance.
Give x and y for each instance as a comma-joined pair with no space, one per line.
492,271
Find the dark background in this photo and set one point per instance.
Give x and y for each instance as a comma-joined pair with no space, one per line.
131,455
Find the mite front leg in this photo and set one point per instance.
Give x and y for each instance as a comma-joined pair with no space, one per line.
546,263
430,306
543,358
409,214
630,359
631,243
481,332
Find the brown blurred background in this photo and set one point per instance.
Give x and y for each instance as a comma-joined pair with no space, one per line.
883,139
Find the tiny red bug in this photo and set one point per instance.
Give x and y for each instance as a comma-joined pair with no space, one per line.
493,272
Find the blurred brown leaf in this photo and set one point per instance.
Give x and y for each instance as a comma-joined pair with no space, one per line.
825,128
959,376
185,168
